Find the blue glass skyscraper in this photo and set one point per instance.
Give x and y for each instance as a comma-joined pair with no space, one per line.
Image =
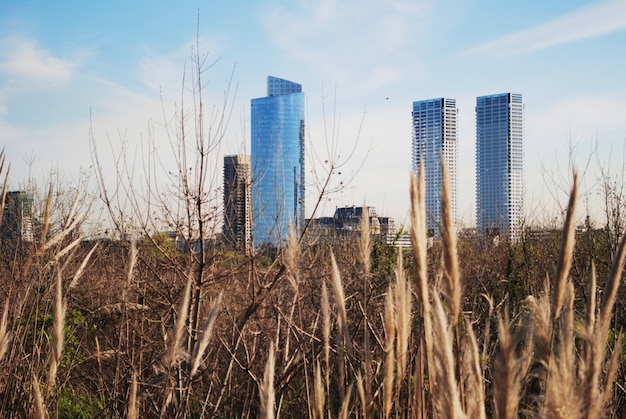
499,164
277,161
435,136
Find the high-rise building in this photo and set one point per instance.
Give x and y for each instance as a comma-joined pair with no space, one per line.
237,202
434,139
277,162
17,216
499,164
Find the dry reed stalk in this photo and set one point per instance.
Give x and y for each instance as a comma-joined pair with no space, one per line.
320,394
5,334
447,399
340,299
509,372
473,376
132,261
71,215
81,269
361,391
365,252
133,401
449,248
487,333
561,399
326,331
611,373
266,387
402,301
58,322
560,364
418,241
566,252
506,386
176,352
61,253
101,375
71,222
40,408
389,351
292,255
540,322
121,307
589,388
205,335
57,238
342,320
418,398
598,344
345,404
610,288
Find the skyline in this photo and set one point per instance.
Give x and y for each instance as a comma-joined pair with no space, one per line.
117,68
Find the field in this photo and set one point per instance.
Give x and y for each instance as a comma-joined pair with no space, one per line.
467,327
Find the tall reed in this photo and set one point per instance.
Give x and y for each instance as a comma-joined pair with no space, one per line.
418,340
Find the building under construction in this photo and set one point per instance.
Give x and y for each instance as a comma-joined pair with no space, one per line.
17,222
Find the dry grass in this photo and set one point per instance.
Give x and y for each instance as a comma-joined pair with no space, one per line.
266,388
110,327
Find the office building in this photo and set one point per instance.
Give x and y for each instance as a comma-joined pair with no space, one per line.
499,164
277,129
237,202
434,139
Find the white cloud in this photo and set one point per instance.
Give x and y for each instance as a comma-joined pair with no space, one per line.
22,59
157,70
581,118
343,41
590,21
580,133
165,72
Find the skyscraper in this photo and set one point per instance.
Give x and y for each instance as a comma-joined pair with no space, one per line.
237,202
277,161
435,137
499,164
17,220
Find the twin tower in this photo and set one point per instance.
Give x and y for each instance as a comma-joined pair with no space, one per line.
499,159
264,192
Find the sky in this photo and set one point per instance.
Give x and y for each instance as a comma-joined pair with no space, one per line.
75,75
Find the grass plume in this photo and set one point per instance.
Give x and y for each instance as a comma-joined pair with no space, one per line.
203,340
449,247
266,387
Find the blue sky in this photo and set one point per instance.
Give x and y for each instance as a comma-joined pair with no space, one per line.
361,63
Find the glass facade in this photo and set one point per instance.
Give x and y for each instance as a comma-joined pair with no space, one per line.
499,164
435,137
277,129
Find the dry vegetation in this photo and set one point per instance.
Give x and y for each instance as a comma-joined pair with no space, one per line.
348,328
140,329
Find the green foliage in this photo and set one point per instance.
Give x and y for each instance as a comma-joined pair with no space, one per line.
385,258
74,405
158,248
